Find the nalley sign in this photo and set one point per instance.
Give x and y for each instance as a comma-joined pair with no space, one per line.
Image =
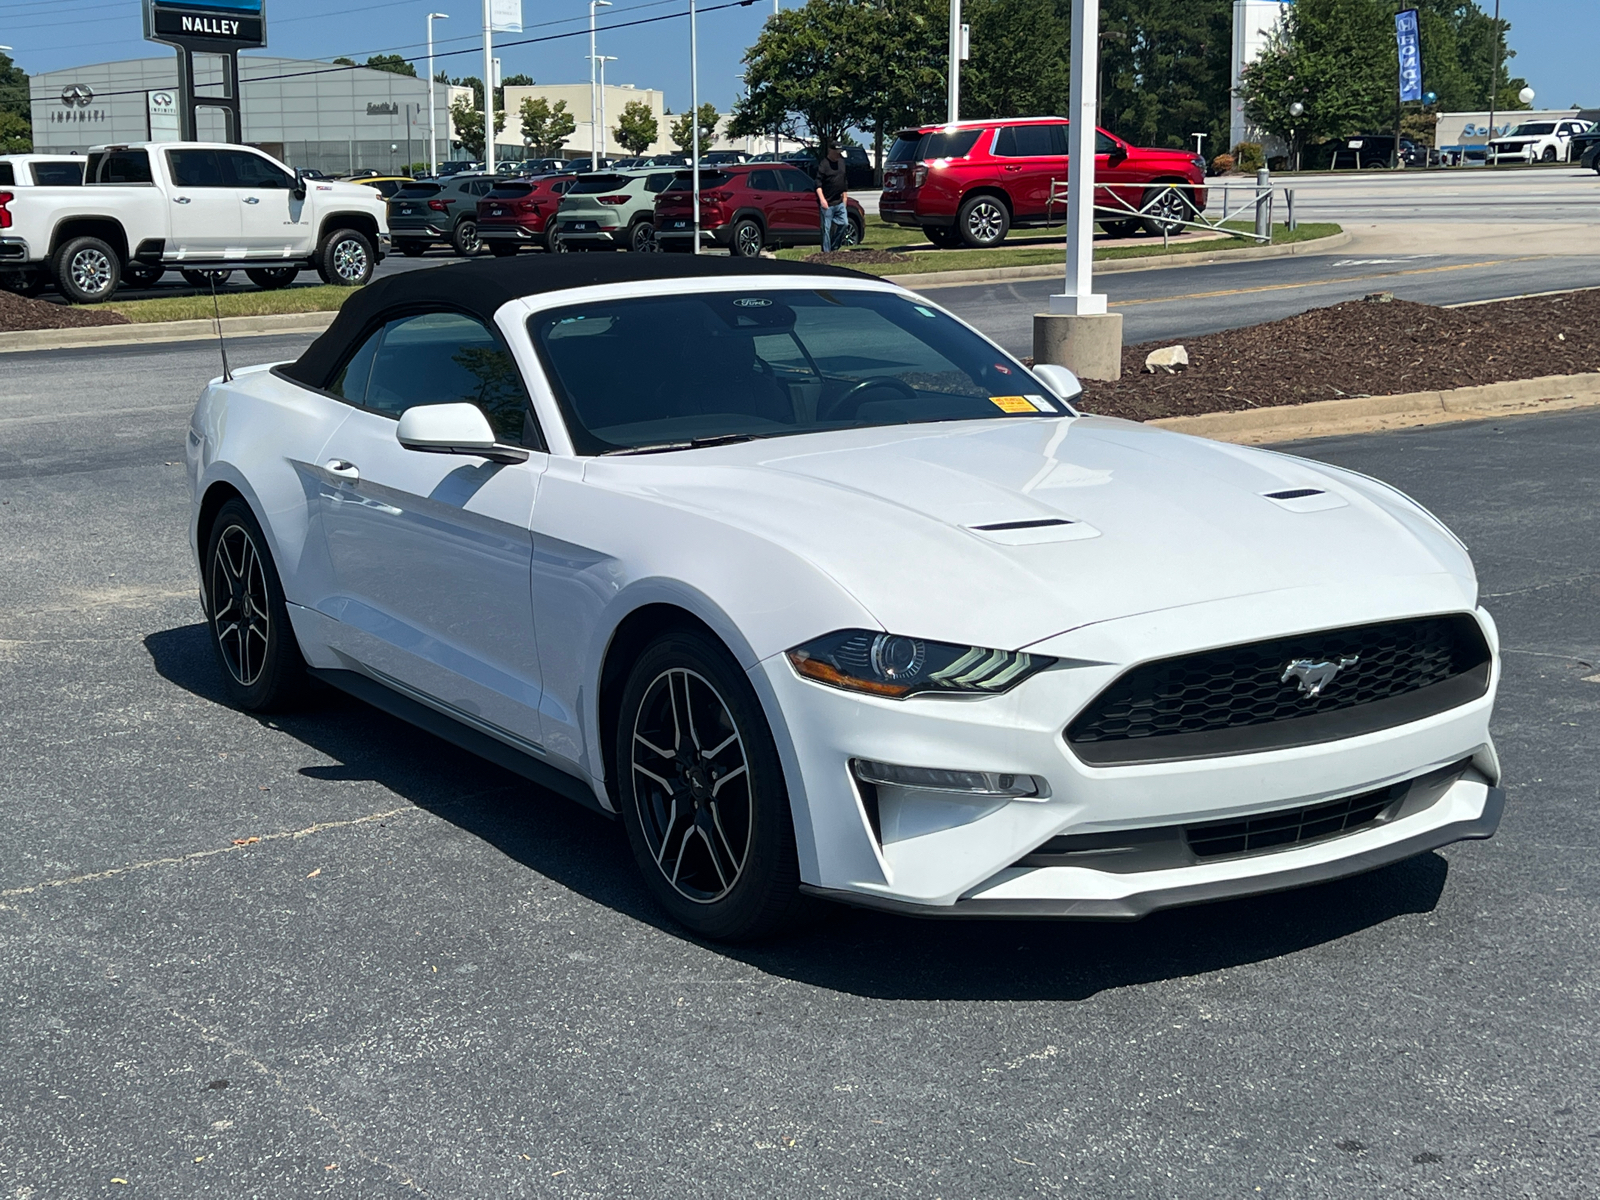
215,25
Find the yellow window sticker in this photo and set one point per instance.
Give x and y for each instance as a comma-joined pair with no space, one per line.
1013,404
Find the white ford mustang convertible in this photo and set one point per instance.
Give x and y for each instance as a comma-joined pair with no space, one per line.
823,594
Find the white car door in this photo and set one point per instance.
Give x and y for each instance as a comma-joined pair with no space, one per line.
431,554
273,223
205,210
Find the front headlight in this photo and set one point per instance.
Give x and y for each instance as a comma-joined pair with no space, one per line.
888,664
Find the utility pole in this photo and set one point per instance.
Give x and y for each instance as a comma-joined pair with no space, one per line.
953,105
488,88
433,107
694,115
594,101
1494,83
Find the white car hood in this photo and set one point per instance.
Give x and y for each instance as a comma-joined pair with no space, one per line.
1157,520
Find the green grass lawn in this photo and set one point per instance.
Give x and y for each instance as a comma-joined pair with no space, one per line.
247,302
1034,247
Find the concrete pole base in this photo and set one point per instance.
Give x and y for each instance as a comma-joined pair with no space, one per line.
1089,345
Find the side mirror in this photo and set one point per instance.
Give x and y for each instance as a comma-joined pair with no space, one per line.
1118,154
453,429
1059,380
299,190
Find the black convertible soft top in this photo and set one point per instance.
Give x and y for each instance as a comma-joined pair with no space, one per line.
480,288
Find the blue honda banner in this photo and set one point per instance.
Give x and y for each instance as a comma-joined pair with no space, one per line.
1405,36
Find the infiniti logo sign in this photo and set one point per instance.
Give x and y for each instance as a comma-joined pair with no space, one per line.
77,95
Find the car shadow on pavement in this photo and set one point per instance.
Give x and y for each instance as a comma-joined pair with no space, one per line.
865,953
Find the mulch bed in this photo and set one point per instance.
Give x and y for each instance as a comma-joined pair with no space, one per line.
1360,348
17,313
857,258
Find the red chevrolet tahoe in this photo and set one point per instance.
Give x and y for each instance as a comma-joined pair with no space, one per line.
970,183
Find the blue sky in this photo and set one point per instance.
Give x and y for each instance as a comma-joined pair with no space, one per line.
1554,39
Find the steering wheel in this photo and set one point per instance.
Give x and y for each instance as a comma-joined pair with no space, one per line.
849,403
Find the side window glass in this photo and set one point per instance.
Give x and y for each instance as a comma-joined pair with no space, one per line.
125,166
763,181
248,170
446,358
6,177
795,181
195,168
657,183
351,381
53,174
1102,143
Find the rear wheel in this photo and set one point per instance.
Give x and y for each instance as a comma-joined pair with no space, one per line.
642,238
702,793
1126,228
87,270
23,283
983,222
345,258
465,239
262,669
1166,209
270,279
202,279
855,232
1549,154
941,237
747,238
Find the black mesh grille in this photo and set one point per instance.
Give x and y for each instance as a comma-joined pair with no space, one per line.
1237,699
1290,826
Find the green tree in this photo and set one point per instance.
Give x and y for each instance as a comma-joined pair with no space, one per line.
798,72
1165,70
682,130
392,63
1020,63
16,134
637,127
14,90
516,81
545,127
469,126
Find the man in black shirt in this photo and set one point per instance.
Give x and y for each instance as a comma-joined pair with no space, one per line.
831,195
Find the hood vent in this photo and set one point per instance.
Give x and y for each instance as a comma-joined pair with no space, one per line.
1035,531
1305,499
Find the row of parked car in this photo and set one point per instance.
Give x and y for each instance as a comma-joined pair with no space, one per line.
744,207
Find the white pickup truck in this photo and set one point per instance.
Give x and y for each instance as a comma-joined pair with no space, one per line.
143,209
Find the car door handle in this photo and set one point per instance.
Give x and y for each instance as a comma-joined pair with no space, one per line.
1015,167
343,468
251,200
180,199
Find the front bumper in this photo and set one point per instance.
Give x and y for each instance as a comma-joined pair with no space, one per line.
944,854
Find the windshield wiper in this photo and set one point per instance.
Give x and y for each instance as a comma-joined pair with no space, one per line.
721,439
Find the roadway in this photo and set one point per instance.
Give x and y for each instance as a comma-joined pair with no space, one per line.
426,977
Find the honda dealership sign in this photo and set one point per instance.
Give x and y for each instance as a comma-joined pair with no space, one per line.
214,25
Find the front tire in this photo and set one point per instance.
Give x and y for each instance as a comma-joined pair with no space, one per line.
1167,209
855,231
983,222
1549,154
642,238
262,669
202,279
345,258
702,793
464,238
270,279
87,270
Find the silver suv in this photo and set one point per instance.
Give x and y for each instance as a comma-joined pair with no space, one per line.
610,210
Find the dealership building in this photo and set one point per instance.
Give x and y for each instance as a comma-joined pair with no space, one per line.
308,114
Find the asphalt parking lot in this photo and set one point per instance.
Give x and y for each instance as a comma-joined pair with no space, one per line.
326,953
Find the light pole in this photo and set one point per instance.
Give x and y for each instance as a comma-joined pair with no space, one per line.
433,108
953,96
1106,35
594,96
488,87
603,60
694,114
1296,111
1494,87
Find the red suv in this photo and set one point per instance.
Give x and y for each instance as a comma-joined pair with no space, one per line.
972,182
748,207
514,214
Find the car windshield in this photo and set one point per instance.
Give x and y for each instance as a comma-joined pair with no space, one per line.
1536,129
734,365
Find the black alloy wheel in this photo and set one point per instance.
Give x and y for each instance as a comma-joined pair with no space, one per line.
270,279
701,792
464,238
142,275
346,258
1166,209
261,664
202,279
855,231
747,239
87,270
642,237
983,222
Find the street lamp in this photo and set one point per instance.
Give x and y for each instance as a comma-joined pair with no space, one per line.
594,95
433,120
694,115
603,59
1296,111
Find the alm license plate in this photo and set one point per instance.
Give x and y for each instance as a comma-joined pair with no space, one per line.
680,224
583,226
497,212
408,211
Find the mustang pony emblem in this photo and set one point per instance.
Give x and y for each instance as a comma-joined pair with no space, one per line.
1314,676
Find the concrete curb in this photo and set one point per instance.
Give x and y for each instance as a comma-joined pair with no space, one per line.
138,334
1198,258
1371,414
